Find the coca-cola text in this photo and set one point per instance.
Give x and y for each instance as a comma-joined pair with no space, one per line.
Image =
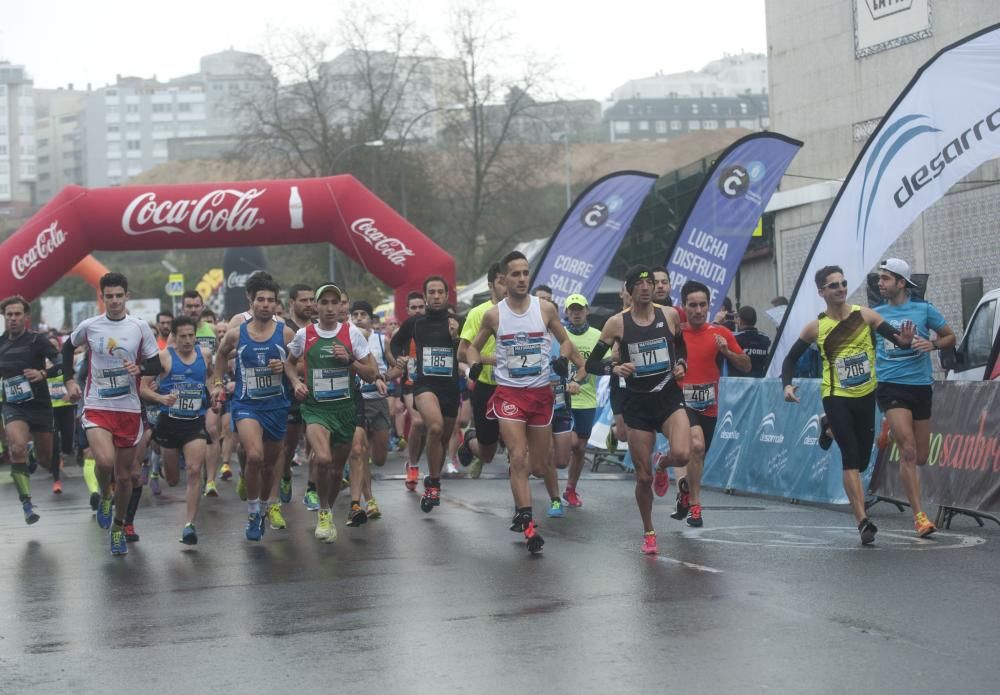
47,241
392,248
222,210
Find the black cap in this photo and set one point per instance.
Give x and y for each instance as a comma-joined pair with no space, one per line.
362,305
634,274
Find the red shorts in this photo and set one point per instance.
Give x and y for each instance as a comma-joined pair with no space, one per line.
532,406
125,428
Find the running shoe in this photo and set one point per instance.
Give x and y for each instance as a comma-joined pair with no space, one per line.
825,440
189,536
326,531
533,539
30,516
226,472
241,488
95,500
275,517
255,527
311,500
649,543
431,497
520,522
476,468
683,500
572,497
611,442
285,490
118,544
464,452
923,525
661,480
867,530
556,509
356,516
451,471
56,487
154,483
211,489
130,535
104,513
401,444
694,516
412,477
372,510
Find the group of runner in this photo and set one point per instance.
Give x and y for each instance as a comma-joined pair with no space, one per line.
323,373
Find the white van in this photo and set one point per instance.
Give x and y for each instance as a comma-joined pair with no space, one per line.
974,350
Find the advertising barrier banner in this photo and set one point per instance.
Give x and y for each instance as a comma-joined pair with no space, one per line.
963,469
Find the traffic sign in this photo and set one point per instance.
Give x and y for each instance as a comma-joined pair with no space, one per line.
175,285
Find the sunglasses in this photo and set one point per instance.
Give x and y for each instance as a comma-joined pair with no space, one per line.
842,285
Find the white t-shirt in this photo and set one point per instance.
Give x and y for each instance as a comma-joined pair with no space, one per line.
359,344
110,343
376,345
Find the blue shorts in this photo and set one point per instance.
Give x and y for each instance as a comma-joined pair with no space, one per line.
562,421
583,421
273,422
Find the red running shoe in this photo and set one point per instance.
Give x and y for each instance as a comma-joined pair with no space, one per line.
649,543
661,482
412,477
572,499
694,516
130,535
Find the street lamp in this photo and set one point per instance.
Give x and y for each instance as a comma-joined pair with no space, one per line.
332,257
564,136
402,144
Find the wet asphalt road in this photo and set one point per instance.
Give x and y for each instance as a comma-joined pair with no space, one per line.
768,597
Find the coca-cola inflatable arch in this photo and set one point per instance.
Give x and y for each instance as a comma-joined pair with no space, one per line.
338,210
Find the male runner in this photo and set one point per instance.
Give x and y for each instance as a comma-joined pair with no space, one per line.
435,388
652,361
117,344
330,349
163,320
180,427
302,310
905,377
708,345
524,327
583,397
480,441
260,401
843,334
415,306
27,406
661,288
63,421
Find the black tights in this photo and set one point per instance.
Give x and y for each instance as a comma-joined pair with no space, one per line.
852,421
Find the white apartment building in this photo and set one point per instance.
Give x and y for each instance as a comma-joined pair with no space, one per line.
17,139
729,76
59,140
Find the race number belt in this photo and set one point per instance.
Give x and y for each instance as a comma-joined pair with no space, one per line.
17,389
854,370
526,361
188,404
113,383
699,396
438,361
263,383
331,384
650,357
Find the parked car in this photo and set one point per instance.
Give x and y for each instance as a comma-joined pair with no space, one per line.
973,353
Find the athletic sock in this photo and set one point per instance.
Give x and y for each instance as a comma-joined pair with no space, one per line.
253,506
556,499
435,482
287,478
355,502
90,476
133,504
56,470
22,480
311,486
265,504
119,523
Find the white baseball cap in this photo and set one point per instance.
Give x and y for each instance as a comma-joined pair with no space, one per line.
897,266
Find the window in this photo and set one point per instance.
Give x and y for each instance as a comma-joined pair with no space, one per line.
643,125
694,125
710,125
694,109
978,343
675,125
730,123
43,160
623,127
743,107
184,108
162,108
42,142
134,144
114,129
661,126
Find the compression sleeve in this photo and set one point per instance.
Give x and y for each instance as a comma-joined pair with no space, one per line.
151,366
67,360
788,365
400,343
680,347
889,333
57,366
595,363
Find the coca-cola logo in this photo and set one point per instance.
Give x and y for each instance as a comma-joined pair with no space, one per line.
395,251
224,210
237,279
47,241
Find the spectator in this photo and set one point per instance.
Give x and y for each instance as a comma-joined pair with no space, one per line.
754,343
726,316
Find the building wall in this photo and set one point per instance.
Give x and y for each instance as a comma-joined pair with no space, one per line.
59,140
745,73
17,137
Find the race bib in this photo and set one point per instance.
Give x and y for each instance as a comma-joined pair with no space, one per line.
559,390
206,341
525,361
854,370
263,383
113,383
188,404
331,384
438,361
650,357
699,396
57,389
17,389
411,367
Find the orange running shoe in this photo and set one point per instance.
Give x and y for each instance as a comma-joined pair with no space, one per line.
412,477
923,525
649,543
56,487
883,435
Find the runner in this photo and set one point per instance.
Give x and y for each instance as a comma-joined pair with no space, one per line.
27,407
905,377
435,388
709,346
562,433
260,401
843,334
163,320
583,397
416,305
661,288
617,389
180,427
302,305
227,438
652,362
523,398
330,349
63,421
480,441
112,418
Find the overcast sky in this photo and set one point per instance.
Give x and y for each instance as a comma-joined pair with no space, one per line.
596,45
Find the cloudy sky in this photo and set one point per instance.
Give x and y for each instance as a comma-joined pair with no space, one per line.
594,46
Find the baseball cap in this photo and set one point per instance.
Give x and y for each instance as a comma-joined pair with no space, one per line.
327,288
362,305
634,274
897,266
575,299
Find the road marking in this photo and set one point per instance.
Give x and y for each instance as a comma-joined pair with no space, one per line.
689,565
829,538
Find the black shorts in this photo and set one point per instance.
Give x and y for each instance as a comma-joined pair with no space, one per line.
648,411
174,433
852,421
487,430
617,396
39,419
916,399
447,395
705,422
407,389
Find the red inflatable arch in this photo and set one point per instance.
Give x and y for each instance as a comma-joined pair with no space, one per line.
338,210
91,270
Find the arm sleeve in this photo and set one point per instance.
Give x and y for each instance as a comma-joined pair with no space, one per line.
400,343
788,365
150,348
889,333
151,366
67,360
680,347
595,363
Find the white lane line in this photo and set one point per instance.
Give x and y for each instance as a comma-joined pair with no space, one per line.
689,565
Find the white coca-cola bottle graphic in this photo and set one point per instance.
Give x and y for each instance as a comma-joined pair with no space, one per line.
295,208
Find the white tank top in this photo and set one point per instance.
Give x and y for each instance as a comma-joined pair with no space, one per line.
523,345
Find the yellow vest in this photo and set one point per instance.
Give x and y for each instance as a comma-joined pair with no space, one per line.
848,354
